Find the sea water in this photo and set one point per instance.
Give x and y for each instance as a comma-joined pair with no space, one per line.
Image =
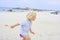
5,9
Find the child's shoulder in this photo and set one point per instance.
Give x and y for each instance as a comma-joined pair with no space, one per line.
23,21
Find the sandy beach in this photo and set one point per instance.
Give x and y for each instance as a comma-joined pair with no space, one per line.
46,24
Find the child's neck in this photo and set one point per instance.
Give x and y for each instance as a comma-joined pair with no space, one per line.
29,20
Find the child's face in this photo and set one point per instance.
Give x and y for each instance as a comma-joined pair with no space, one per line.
33,18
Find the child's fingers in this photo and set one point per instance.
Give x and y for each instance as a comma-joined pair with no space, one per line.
12,27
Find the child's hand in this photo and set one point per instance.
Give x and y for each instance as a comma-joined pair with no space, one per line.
15,25
33,33
12,26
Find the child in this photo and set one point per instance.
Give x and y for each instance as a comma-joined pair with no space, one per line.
26,26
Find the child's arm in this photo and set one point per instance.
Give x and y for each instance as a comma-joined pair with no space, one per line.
15,25
31,31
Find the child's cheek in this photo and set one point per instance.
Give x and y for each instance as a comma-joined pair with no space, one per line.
33,19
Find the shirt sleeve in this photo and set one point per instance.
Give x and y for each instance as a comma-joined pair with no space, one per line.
23,23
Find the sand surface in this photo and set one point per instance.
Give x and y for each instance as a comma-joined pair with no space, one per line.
46,26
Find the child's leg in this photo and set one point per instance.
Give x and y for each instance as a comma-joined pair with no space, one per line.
23,39
26,38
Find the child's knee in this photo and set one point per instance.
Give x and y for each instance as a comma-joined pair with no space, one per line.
27,38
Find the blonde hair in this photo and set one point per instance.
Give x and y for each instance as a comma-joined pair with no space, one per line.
31,14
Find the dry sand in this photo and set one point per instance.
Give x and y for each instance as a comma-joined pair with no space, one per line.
47,25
